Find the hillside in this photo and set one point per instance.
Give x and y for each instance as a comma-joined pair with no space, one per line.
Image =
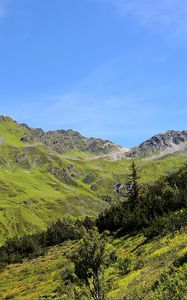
38,185
141,266
40,278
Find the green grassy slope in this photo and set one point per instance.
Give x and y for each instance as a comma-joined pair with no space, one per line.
40,278
37,185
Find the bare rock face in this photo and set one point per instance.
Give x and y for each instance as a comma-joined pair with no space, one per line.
159,143
63,141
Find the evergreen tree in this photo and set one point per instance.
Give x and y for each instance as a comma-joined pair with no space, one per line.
133,186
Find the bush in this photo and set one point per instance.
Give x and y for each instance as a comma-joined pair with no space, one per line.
127,264
170,283
167,224
16,249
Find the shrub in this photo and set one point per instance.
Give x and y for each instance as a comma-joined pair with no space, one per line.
127,264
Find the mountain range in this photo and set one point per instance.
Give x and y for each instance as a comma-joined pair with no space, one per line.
47,175
63,141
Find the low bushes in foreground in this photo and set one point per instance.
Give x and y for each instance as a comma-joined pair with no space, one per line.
29,246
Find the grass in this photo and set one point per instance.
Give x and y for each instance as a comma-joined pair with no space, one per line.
38,186
40,278
35,190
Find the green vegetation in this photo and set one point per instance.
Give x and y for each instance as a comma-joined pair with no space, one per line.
17,248
39,186
167,195
145,258
133,187
46,255
146,264
90,261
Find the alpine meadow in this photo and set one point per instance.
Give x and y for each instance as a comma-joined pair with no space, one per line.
93,150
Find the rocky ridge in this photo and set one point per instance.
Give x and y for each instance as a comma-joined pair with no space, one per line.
72,143
63,141
163,143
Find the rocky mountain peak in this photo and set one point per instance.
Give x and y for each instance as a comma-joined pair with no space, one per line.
159,143
63,141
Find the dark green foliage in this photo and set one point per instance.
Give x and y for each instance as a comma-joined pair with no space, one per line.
29,246
90,261
171,285
181,261
167,224
70,285
134,188
15,249
61,231
167,195
111,219
88,223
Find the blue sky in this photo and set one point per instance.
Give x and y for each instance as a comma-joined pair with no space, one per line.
115,69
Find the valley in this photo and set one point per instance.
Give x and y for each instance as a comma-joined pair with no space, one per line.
41,183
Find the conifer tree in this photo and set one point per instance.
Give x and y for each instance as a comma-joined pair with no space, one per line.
133,186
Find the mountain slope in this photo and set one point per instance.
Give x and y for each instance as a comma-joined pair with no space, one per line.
148,263
38,185
170,142
149,273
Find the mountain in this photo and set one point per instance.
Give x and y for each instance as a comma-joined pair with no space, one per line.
73,143
160,145
38,185
63,141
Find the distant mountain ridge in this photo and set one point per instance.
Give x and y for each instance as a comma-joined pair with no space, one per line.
63,141
167,142
71,141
